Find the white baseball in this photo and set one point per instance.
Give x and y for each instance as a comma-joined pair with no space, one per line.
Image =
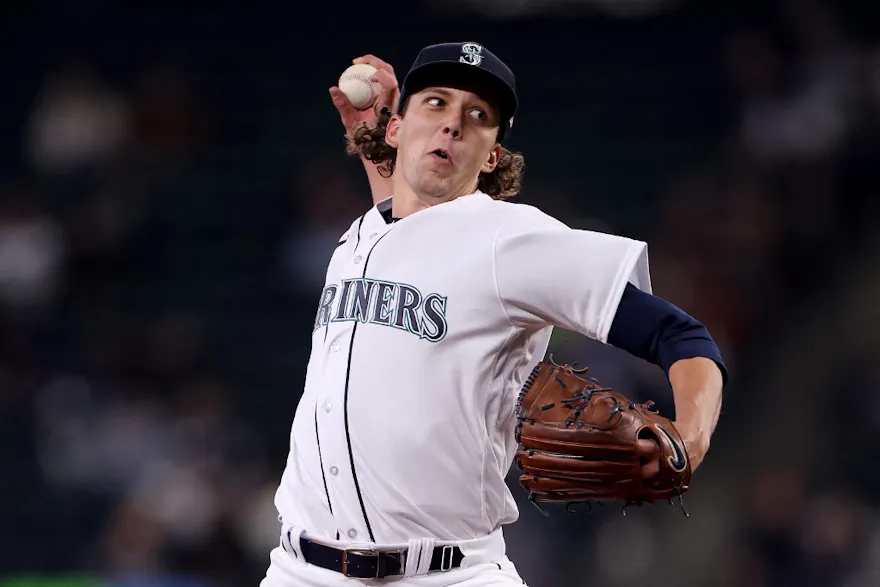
356,85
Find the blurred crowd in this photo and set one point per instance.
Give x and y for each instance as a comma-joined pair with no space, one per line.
762,235
138,328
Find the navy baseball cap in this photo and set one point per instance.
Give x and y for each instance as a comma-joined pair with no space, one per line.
469,65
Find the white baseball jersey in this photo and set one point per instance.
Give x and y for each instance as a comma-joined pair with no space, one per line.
425,332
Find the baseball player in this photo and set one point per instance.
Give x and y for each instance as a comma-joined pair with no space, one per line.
438,303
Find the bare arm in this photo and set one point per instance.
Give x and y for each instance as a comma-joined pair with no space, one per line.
696,387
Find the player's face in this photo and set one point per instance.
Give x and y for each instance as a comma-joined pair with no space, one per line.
445,139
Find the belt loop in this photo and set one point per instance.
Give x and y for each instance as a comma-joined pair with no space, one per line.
290,536
418,557
413,556
486,549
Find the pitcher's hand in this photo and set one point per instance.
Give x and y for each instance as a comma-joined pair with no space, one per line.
387,98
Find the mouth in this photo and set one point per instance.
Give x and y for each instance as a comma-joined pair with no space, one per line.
442,155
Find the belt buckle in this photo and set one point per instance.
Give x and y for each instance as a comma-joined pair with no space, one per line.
359,552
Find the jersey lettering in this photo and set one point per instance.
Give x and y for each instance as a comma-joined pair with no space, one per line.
343,303
324,308
385,303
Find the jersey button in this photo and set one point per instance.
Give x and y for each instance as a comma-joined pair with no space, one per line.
334,470
372,236
352,533
358,259
334,347
327,407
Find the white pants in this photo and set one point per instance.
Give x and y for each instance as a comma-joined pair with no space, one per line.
288,569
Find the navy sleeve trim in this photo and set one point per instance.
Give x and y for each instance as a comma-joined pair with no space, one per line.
657,331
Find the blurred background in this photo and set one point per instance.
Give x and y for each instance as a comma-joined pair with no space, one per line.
173,181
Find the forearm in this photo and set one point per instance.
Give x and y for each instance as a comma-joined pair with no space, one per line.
657,331
697,389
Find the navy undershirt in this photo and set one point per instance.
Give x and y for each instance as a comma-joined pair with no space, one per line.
657,331
384,208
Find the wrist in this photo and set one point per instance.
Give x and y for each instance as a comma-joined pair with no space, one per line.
696,441
696,432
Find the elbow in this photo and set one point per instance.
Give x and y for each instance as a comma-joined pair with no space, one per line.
657,331
691,340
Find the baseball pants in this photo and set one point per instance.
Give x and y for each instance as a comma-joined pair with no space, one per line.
288,569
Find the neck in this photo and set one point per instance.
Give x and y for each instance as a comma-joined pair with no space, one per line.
406,201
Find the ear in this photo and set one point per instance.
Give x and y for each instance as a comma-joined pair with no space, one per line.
492,160
391,131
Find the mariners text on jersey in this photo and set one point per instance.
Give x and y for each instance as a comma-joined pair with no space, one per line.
397,305
424,333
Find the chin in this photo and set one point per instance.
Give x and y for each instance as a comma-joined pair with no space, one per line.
435,185
437,193
434,188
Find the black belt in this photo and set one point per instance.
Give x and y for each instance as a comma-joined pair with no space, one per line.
366,563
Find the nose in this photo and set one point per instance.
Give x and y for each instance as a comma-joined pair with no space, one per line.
452,126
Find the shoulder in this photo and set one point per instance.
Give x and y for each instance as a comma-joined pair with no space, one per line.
517,218
525,220
517,214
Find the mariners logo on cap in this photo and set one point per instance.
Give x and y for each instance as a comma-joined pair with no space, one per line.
471,53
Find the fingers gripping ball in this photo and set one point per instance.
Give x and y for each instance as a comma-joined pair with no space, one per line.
579,442
357,86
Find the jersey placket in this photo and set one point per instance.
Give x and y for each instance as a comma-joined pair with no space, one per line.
334,419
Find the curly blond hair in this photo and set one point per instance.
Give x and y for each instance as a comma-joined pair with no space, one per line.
504,182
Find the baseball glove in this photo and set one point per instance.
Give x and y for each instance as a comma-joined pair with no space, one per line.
578,442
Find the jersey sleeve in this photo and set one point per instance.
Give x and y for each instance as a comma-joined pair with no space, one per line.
548,274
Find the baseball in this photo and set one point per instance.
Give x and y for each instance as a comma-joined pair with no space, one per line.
356,85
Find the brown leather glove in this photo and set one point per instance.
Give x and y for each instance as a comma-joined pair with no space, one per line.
579,440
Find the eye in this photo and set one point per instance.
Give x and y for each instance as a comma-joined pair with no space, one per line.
479,114
435,101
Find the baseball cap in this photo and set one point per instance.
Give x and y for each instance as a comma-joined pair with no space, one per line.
466,64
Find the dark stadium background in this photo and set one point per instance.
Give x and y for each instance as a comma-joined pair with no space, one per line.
172,180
